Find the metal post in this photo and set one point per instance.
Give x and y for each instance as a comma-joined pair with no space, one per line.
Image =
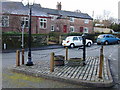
47,39
101,62
5,46
29,62
84,49
17,58
66,58
22,56
60,38
23,36
52,62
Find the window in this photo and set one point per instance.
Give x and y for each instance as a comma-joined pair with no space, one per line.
24,21
43,23
52,27
85,30
111,36
72,29
107,36
86,21
53,17
80,38
71,19
4,21
101,36
75,38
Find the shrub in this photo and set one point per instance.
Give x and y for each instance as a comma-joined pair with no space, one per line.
13,41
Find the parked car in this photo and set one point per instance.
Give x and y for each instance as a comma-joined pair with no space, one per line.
73,41
107,39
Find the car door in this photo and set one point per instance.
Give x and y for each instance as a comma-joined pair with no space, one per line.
110,39
81,41
113,39
107,38
76,41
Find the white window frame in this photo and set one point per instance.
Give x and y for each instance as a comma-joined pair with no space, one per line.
52,28
86,21
72,19
53,17
44,21
5,22
72,29
86,30
26,22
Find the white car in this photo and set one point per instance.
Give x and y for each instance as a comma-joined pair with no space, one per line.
73,41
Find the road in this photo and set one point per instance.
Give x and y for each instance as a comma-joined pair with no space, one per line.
16,80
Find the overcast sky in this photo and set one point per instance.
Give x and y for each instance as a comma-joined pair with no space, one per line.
85,6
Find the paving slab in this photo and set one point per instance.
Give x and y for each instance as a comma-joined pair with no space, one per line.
82,75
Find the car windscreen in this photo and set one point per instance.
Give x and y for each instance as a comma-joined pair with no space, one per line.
101,36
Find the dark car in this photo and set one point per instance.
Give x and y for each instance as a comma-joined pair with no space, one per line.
107,39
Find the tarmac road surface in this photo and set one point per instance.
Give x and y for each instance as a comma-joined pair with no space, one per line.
15,80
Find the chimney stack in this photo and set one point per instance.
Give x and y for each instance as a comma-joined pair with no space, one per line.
59,6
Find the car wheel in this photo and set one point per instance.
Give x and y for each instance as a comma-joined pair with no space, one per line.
89,44
118,41
72,45
106,42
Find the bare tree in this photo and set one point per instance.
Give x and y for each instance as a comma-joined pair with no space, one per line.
106,14
105,19
99,18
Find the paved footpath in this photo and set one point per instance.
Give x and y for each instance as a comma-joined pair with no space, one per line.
82,75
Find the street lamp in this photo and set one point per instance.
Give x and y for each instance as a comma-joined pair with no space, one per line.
30,4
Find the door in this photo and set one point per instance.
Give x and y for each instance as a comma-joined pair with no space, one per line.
80,41
112,39
65,28
81,29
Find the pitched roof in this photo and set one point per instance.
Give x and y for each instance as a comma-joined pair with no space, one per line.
75,14
18,8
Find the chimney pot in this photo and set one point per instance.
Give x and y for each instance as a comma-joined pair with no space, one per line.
59,6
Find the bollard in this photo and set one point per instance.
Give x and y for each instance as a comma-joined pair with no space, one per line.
52,62
17,58
101,62
66,57
22,56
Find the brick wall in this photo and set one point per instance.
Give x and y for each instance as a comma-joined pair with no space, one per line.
15,25
77,24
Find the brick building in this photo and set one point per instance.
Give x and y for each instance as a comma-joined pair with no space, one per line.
44,20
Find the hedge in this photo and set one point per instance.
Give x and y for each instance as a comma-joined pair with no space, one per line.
13,41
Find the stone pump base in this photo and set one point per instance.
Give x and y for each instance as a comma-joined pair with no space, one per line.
75,62
59,60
